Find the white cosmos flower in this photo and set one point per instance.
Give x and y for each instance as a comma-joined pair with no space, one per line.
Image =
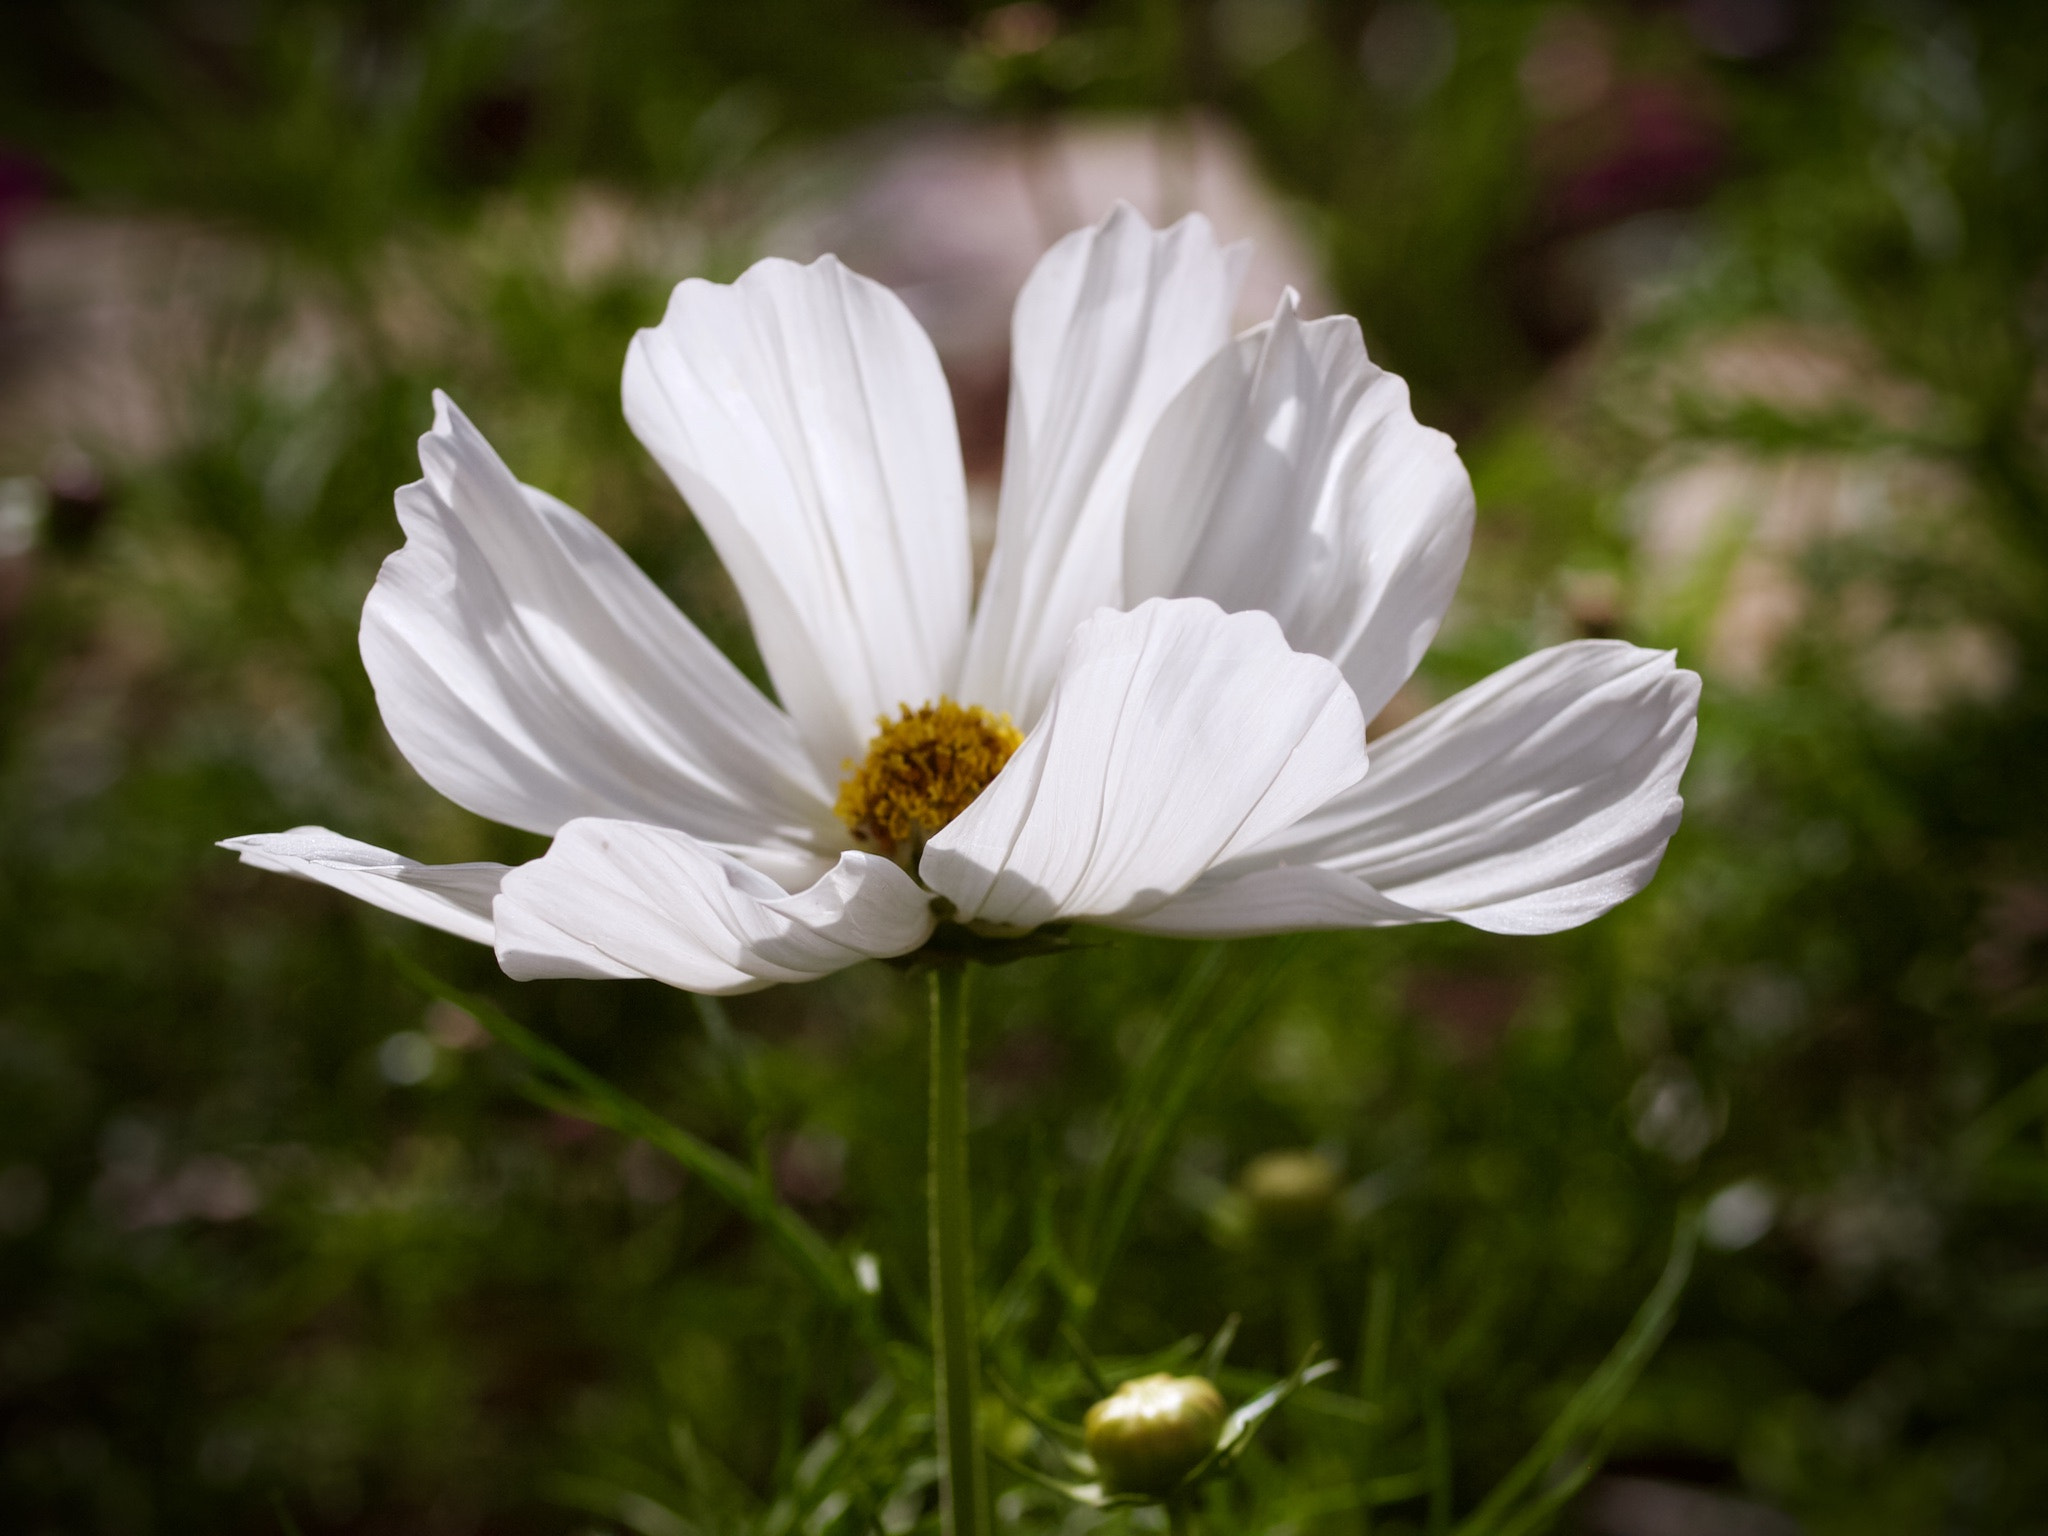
1216,558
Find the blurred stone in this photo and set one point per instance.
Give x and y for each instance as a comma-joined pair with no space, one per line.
1724,532
1914,674
1641,1506
107,329
954,218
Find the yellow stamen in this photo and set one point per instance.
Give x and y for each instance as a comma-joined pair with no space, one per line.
921,771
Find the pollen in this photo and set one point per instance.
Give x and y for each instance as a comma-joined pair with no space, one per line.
921,771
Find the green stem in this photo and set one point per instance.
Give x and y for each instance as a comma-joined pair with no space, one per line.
956,1367
1376,1346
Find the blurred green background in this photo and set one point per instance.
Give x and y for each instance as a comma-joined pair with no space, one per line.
1739,312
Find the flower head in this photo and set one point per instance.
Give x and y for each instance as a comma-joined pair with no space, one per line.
920,772
1216,558
1152,1431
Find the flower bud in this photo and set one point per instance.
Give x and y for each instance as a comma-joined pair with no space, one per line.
1290,1192
1151,1432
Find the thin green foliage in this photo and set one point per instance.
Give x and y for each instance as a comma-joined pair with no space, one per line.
1207,1019
564,1084
1582,1428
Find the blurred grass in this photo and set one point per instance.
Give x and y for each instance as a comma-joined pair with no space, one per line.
245,1272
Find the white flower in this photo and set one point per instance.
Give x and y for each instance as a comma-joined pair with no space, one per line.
1216,559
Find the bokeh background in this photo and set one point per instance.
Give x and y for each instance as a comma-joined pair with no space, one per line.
1739,312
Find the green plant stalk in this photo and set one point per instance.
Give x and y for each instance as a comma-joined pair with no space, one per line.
956,1366
1198,1037
1590,1413
560,1082
1377,1346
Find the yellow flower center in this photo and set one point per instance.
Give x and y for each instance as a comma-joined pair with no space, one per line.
920,772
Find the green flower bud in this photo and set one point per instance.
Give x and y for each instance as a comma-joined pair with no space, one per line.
1290,1192
1152,1432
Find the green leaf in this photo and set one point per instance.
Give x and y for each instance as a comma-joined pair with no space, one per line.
1212,1357
562,1083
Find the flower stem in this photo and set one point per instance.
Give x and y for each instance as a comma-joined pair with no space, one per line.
956,1365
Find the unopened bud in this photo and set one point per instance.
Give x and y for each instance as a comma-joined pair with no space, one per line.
1152,1432
1290,1192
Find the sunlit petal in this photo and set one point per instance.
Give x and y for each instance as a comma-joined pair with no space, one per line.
1114,320
1292,476
1177,736
802,412
1533,801
533,674
453,897
624,898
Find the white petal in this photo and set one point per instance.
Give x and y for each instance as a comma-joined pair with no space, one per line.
803,413
1177,736
1113,321
1292,476
622,898
1532,802
532,673
453,897
1293,899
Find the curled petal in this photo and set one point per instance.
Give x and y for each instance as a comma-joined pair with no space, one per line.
533,674
1177,736
620,898
1291,475
802,412
455,898
1532,802
1112,322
